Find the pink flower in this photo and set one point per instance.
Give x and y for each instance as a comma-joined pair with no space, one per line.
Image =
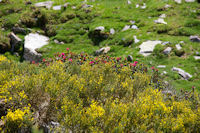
152,67
43,60
118,58
70,60
59,55
132,64
63,54
121,65
67,49
64,57
135,62
33,62
91,62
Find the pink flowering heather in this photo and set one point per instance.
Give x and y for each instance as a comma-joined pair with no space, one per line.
63,54
70,60
64,57
135,62
91,62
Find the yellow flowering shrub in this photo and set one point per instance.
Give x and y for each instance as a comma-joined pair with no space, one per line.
92,94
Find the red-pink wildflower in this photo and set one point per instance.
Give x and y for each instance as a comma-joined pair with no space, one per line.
63,54
70,60
33,62
91,62
67,49
135,62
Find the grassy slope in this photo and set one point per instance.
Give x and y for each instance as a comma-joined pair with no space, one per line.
181,19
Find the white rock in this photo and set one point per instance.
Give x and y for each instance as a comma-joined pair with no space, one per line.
103,50
32,42
162,16
178,47
126,27
194,39
112,31
132,22
165,43
161,66
134,27
181,72
167,50
128,2
144,6
189,0
164,72
47,4
137,5
0,0
101,28
57,7
178,1
167,6
197,57
135,39
160,21
182,42
146,48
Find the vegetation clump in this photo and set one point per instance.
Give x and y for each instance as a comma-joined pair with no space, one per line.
92,94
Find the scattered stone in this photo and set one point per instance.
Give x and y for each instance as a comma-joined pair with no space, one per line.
19,30
126,27
197,57
167,92
65,5
164,72
197,53
189,0
162,16
56,41
194,39
137,5
86,6
112,31
57,7
16,54
165,43
128,2
144,6
15,41
132,22
146,48
161,66
178,47
160,21
73,7
130,58
134,27
167,50
103,50
55,124
135,39
181,72
178,1
167,6
46,4
182,42
100,28
34,41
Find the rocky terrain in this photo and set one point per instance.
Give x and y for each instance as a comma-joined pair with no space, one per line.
99,70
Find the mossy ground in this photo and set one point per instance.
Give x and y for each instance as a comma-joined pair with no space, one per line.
73,26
